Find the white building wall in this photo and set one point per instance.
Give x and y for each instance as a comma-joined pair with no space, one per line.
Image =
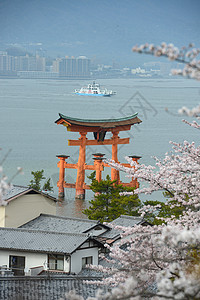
67,262
76,258
4,258
31,259
2,216
26,208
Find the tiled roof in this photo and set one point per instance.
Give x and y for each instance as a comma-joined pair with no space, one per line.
123,220
40,241
61,224
103,123
127,221
47,287
98,120
65,224
16,191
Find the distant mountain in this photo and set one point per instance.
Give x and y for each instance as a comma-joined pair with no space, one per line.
16,51
101,28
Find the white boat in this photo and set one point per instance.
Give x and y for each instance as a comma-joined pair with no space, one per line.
94,90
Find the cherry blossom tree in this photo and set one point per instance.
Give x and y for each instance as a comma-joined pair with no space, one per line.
4,182
3,186
161,261
187,56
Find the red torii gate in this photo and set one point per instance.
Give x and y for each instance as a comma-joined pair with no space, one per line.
99,128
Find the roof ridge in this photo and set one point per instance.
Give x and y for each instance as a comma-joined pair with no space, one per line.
9,197
22,186
130,217
42,231
63,217
99,120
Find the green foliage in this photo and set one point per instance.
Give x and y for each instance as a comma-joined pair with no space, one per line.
165,211
35,183
47,185
108,204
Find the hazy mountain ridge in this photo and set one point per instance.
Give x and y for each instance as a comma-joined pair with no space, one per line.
107,29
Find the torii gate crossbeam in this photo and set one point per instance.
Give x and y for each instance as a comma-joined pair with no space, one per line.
99,128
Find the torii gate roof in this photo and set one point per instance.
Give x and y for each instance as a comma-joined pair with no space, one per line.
91,125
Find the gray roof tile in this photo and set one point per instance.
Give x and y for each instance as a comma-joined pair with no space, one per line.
61,224
40,241
123,220
45,287
17,190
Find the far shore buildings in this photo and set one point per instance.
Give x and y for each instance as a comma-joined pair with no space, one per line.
30,66
39,67
21,63
71,67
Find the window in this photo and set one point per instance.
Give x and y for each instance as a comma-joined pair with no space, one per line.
98,228
17,264
56,262
87,261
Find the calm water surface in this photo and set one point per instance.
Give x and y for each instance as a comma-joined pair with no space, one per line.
29,108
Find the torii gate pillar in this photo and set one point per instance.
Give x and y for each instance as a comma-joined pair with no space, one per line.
61,166
99,129
80,191
114,172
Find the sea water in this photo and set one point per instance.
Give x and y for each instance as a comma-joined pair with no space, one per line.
29,109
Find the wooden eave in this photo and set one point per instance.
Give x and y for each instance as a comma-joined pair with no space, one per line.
92,238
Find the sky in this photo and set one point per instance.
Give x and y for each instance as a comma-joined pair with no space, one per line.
104,30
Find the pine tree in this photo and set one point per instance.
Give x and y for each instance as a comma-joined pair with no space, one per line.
36,182
47,185
108,204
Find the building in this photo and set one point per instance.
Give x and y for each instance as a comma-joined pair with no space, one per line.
7,65
114,235
55,65
54,260
30,63
47,222
58,244
103,233
21,63
24,204
74,67
31,252
6,62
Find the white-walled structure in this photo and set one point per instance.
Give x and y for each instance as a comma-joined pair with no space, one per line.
24,204
29,252
58,244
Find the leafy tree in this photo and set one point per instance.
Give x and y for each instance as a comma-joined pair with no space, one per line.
158,211
47,185
35,183
163,211
108,204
